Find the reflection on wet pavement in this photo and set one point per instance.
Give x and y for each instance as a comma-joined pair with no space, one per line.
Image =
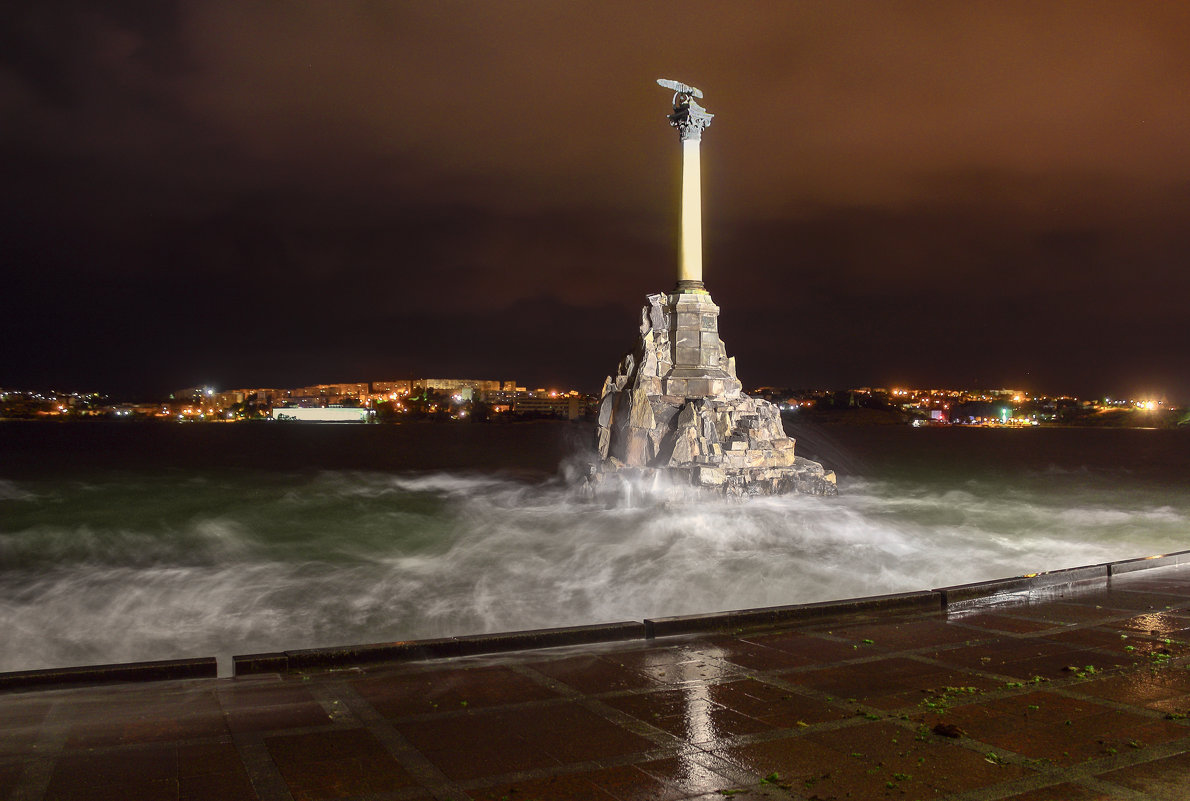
1074,692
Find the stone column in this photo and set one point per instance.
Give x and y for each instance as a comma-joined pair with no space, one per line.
699,366
690,119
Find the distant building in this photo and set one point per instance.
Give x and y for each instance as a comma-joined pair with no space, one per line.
327,394
569,406
400,387
322,414
454,385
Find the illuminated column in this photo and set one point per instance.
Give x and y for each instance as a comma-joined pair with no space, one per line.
690,260
690,119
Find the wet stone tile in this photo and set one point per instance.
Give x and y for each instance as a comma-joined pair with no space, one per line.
149,773
592,674
151,790
684,773
653,656
494,742
197,759
142,718
909,635
999,622
1135,598
1161,780
150,763
623,783
1062,665
869,761
262,693
496,757
751,656
335,764
1157,624
19,741
1070,613
23,712
1138,688
995,655
571,733
808,649
1065,791
10,775
774,706
888,683
269,718
599,742
688,716
441,690
1091,638
231,786
1091,736
1035,708
675,666
567,787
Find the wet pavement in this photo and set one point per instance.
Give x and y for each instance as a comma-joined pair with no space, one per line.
1076,692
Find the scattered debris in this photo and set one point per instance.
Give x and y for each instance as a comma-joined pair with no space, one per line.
947,730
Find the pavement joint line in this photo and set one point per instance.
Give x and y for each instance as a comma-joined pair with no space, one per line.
1058,686
51,738
263,773
563,689
656,734
1008,680
405,753
957,620
335,709
570,768
726,768
1086,772
1113,790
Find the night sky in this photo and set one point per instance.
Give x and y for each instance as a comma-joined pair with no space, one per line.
275,194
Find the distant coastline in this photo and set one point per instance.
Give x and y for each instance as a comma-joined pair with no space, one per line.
855,417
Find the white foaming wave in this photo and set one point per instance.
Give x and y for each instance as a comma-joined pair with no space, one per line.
11,491
209,540
516,556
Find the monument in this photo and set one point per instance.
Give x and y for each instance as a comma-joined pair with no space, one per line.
674,408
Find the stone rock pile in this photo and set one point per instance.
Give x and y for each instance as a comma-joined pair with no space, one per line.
675,405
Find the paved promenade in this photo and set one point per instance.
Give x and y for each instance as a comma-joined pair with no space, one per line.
1077,692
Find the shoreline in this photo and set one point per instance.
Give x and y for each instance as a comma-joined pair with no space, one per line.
942,599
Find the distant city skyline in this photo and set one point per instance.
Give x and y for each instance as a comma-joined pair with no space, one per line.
374,390
955,195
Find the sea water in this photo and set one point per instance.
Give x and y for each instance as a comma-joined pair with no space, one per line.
144,541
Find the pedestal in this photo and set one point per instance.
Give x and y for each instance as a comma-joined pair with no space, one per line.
700,365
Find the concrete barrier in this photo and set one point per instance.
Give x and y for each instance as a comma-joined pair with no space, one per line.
965,593
164,670
441,648
1149,562
776,615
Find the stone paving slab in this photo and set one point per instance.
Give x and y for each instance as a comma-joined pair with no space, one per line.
1078,692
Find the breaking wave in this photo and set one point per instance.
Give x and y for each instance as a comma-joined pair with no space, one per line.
179,565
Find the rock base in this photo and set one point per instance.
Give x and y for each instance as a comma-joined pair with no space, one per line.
676,406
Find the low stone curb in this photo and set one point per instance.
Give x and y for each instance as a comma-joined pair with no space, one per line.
775,615
979,590
940,599
88,675
441,648
1148,562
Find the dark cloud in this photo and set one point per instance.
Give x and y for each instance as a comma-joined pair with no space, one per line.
278,193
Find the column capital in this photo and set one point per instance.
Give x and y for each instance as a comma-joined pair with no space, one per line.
689,118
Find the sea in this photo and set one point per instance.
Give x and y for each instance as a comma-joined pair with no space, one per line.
134,541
